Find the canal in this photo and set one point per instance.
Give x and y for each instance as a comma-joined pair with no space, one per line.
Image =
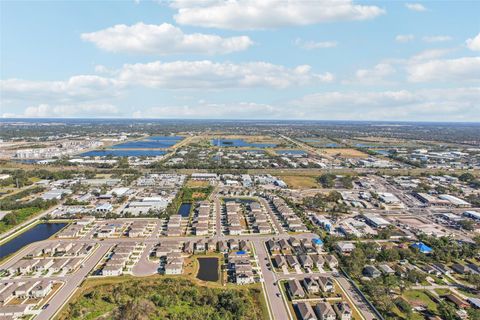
39,232
208,270
184,210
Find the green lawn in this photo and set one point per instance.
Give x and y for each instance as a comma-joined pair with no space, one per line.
417,297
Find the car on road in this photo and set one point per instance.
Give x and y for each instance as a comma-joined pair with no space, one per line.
45,306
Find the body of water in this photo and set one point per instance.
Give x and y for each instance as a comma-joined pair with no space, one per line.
123,153
184,209
208,270
240,143
332,145
39,232
154,142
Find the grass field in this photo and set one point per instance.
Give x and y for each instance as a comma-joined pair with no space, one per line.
344,152
197,184
420,298
300,182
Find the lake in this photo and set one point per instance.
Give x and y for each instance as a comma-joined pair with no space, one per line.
154,142
240,143
184,210
123,153
208,270
39,232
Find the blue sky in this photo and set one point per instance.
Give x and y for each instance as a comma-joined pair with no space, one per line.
269,59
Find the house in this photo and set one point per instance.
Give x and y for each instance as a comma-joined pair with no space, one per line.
23,290
344,247
386,269
6,293
305,311
200,246
44,264
432,270
442,268
295,289
461,269
42,289
371,272
233,244
318,260
311,285
173,268
16,311
343,310
325,311
331,261
291,260
222,247
460,303
326,284
112,270
58,265
243,272
305,261
422,247
104,207
284,246
317,244
279,261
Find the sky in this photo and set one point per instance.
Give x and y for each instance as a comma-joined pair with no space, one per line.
259,59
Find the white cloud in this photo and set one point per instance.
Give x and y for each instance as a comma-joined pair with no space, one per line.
430,54
461,69
437,38
474,43
433,105
76,88
310,45
458,104
216,75
205,110
266,14
415,7
163,39
65,111
375,75
403,38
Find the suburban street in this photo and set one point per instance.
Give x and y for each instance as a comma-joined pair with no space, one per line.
71,283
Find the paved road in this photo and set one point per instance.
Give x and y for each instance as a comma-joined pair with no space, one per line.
361,304
71,283
145,267
274,296
218,217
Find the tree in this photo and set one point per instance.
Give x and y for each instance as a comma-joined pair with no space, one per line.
467,224
466,177
140,309
10,219
447,311
327,180
474,279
